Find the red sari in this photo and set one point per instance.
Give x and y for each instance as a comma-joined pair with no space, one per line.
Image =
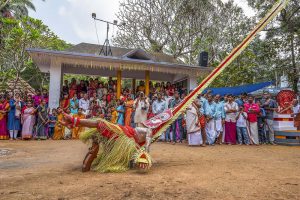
73,90
65,104
4,107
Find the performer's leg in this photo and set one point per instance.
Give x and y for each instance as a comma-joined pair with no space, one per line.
90,156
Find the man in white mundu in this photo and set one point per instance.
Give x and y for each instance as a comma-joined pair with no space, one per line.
193,125
210,128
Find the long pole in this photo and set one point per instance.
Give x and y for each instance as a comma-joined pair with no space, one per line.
214,74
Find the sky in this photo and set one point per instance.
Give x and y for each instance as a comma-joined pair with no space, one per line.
71,20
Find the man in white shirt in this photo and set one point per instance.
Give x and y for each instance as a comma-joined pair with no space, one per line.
231,108
159,105
84,103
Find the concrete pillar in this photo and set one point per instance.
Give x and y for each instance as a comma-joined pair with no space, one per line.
119,83
55,84
192,83
147,82
133,85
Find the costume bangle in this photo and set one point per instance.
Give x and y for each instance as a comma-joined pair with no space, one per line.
78,122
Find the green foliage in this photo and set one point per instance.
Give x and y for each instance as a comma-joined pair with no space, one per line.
185,28
282,39
17,8
18,35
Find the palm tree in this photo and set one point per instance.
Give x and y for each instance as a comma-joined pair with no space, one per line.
16,8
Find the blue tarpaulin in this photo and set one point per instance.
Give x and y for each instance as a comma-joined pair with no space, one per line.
239,89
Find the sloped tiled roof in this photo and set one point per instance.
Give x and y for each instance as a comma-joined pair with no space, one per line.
17,86
120,52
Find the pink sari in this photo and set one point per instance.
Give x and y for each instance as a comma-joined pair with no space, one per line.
28,123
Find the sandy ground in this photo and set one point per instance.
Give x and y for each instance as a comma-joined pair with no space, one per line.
51,170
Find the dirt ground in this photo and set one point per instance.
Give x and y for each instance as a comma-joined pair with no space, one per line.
51,170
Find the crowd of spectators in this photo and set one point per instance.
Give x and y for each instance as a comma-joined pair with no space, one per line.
227,119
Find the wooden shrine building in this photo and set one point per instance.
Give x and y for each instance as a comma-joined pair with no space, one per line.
84,59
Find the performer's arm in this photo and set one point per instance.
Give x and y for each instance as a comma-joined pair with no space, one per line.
88,123
69,121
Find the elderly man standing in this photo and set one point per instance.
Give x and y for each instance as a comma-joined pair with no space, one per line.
159,105
84,104
204,111
177,128
252,110
210,125
270,106
192,124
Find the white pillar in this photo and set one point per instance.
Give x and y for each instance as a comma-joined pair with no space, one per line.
55,84
192,82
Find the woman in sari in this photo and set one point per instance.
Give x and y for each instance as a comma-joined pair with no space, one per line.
42,120
4,107
14,116
59,130
28,120
73,88
92,87
65,103
129,107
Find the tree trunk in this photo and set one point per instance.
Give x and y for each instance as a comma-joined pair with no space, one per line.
295,76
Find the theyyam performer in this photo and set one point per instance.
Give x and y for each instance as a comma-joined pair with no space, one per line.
115,147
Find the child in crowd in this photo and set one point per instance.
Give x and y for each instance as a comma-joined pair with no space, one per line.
52,122
114,115
101,113
108,115
121,111
59,130
241,127
78,130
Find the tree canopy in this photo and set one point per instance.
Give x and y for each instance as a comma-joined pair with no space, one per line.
185,28
17,35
